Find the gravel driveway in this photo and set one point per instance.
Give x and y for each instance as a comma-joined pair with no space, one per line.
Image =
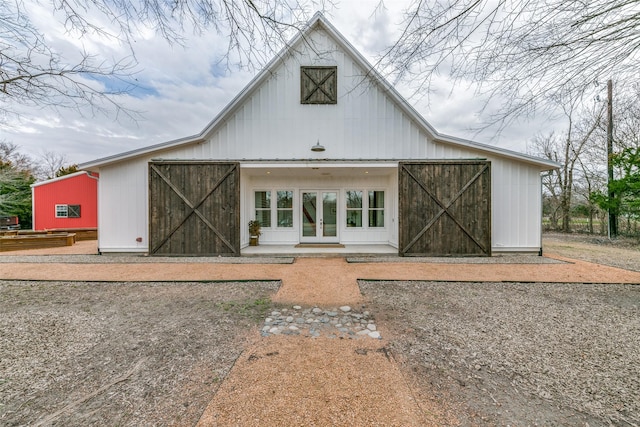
524,354
519,354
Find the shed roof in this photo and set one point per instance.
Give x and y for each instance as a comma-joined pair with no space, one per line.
320,22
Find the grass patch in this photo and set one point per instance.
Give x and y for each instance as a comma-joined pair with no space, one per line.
254,309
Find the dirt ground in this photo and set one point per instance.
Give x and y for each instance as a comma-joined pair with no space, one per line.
454,353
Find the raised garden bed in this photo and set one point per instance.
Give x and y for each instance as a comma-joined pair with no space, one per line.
36,241
81,233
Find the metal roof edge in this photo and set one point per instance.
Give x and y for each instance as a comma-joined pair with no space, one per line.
60,178
544,164
140,152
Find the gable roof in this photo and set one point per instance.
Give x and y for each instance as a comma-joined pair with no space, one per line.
320,22
64,177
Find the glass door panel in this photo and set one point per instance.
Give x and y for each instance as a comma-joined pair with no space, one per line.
309,220
329,214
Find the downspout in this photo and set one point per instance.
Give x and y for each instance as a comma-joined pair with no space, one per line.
542,175
97,178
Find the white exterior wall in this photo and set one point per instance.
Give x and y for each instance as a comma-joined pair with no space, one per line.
516,198
273,124
123,212
516,206
365,124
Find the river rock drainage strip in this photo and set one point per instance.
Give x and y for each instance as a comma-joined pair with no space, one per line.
342,322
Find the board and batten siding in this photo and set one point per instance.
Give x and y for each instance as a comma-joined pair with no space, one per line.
272,125
517,207
123,207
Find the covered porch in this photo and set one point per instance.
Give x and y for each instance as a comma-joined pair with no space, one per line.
320,206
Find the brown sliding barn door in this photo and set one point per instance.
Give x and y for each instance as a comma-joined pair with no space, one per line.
445,208
194,208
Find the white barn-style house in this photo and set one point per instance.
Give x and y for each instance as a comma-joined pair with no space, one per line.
320,149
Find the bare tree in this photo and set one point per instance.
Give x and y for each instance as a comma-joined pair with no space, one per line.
523,52
34,75
51,162
567,149
11,156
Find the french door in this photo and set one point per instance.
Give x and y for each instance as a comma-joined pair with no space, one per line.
319,216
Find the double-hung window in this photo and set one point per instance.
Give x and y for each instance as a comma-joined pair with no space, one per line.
263,208
285,208
266,210
365,205
376,208
354,208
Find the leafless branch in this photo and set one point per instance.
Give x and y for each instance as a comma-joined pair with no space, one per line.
522,52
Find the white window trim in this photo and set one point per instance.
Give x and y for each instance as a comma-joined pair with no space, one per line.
276,209
365,208
383,209
273,207
59,211
270,208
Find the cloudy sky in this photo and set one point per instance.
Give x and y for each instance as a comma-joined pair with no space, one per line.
181,88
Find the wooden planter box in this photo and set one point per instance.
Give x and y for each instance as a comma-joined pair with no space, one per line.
36,241
81,233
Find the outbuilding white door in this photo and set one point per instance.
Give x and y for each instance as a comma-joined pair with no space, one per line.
319,216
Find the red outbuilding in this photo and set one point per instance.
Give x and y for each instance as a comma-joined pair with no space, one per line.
67,202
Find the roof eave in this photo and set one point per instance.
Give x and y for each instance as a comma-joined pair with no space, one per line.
105,161
62,178
543,164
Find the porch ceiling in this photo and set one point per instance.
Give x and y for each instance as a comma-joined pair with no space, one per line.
318,170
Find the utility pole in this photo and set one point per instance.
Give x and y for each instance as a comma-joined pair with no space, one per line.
613,218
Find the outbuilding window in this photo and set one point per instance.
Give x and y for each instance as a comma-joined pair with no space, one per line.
67,211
